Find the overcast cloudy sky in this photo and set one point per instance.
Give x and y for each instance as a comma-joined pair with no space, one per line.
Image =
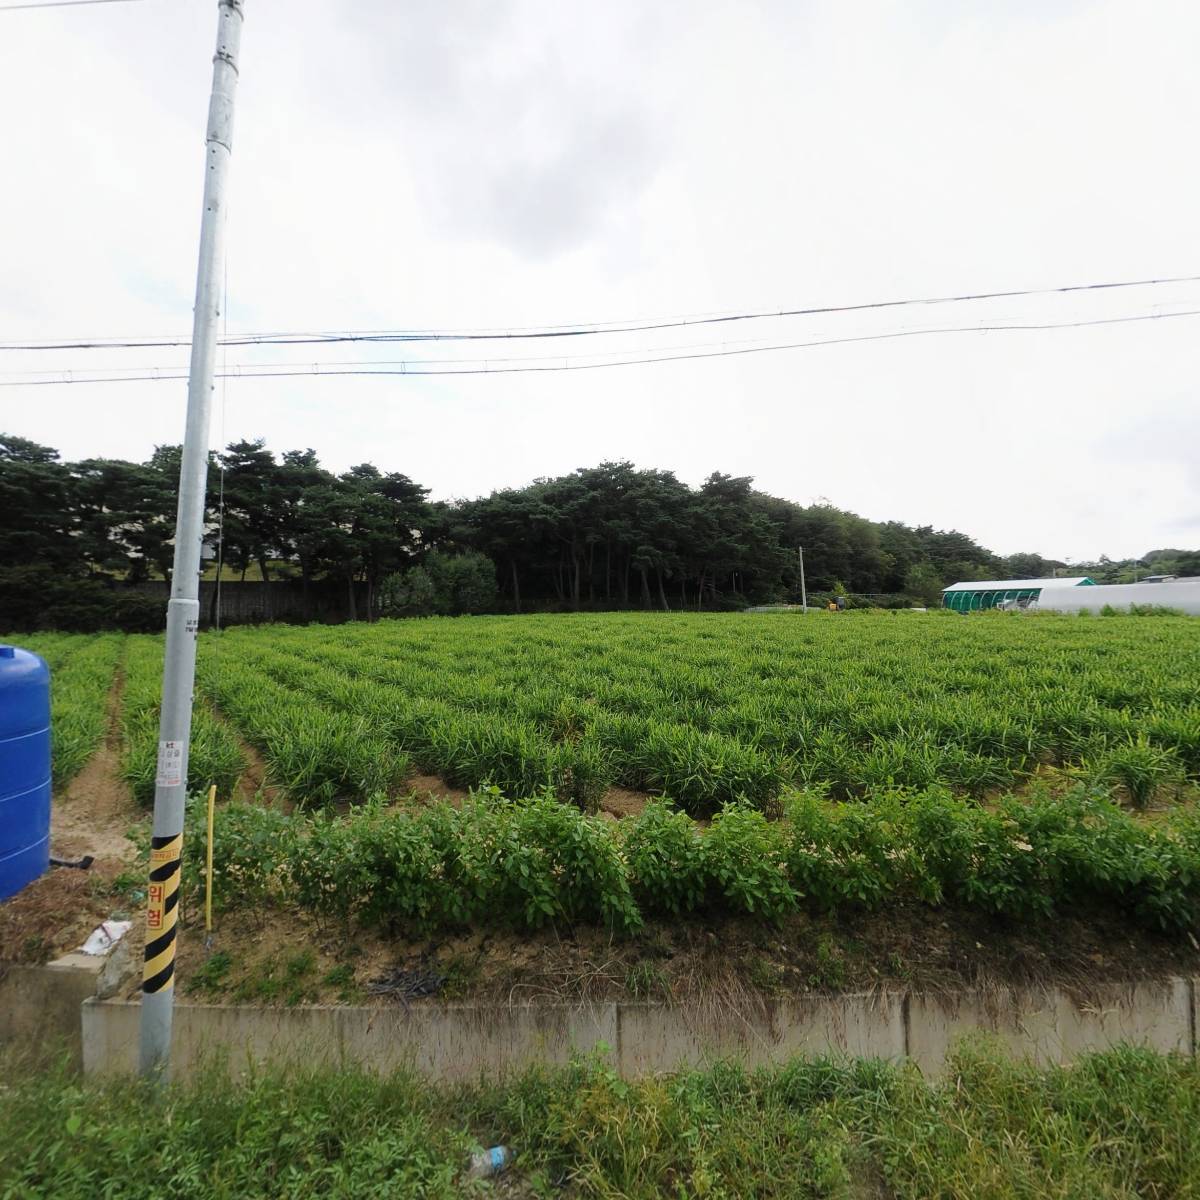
506,163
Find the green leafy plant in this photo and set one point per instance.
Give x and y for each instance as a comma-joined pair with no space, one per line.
666,860
1138,766
746,857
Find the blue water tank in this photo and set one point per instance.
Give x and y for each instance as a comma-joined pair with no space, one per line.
24,769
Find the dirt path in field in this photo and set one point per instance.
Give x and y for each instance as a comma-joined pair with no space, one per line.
94,813
616,803
432,788
91,815
621,802
253,784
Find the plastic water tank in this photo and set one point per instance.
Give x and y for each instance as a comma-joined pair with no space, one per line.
24,769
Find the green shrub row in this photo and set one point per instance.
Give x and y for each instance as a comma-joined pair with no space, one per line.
527,863
39,597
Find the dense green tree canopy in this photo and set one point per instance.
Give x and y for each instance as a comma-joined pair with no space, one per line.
609,536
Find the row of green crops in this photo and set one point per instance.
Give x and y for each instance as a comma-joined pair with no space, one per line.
82,670
79,691
527,863
318,747
215,754
710,709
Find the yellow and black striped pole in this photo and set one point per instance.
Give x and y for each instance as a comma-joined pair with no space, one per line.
162,913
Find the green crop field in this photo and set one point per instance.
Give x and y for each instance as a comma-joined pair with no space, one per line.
703,709
713,709
835,761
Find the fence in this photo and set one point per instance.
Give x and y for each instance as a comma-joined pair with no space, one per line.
327,601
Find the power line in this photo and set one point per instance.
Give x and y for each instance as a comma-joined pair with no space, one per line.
250,368
589,330
326,366
261,371
60,4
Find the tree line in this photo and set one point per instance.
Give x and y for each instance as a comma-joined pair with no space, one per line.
78,534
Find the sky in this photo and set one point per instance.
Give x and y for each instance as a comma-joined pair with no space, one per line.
505,164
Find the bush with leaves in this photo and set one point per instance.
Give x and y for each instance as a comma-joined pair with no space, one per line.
250,845
407,594
665,856
746,857
326,867
538,861
850,854
415,874
445,585
527,863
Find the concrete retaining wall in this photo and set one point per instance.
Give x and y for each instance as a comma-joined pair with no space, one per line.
1050,1026
468,1041
44,1009
40,1006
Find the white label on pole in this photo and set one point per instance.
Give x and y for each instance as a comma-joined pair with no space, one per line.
170,764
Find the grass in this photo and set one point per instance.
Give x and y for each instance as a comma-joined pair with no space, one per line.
288,981
645,980
209,979
1120,1124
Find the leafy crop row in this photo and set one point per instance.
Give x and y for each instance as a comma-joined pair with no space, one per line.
79,692
317,751
719,708
526,863
82,669
215,755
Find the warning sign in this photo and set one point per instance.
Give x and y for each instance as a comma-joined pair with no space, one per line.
154,906
170,764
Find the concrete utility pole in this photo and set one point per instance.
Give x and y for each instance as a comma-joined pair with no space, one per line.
803,589
183,609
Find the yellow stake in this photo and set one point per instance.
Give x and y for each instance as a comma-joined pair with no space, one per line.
212,799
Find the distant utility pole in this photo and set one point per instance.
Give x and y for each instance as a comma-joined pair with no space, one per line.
803,589
183,609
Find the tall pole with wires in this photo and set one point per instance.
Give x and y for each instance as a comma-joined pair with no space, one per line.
183,608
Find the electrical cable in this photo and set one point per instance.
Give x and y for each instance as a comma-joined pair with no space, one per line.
60,4
590,330
323,365
267,372
220,459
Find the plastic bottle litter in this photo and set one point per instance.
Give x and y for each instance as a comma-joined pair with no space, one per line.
487,1163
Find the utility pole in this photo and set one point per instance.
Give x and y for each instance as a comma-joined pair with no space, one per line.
803,589
183,609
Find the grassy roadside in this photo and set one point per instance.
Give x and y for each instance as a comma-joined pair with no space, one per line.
1119,1124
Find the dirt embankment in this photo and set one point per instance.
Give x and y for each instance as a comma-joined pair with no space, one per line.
91,816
